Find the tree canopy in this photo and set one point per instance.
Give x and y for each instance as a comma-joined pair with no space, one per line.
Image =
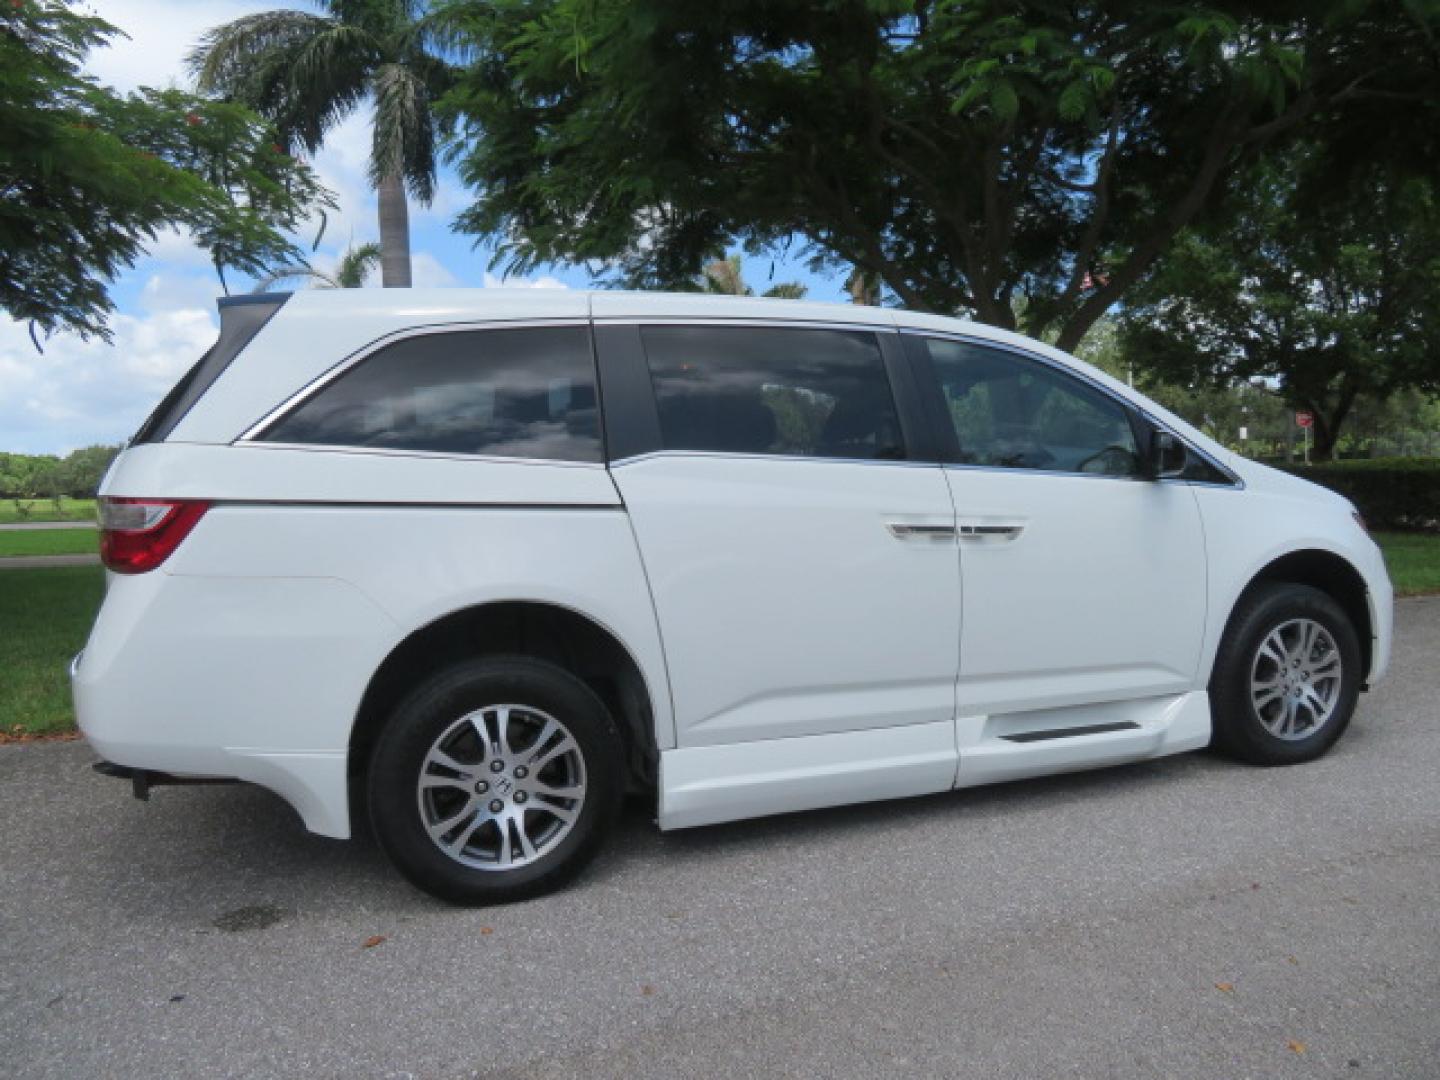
88,176
78,474
1332,290
976,156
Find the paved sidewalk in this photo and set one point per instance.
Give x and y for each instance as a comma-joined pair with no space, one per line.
27,526
39,562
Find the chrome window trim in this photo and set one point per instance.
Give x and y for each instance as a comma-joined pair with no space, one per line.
744,320
1065,369
443,455
1012,470
251,435
745,456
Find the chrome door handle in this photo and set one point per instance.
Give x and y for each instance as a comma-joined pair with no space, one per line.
905,530
990,532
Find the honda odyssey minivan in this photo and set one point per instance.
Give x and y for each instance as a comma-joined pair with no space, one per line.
477,563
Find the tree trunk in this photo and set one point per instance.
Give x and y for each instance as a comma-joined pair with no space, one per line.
394,234
1328,423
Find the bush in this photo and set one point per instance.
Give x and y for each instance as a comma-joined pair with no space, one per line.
1390,493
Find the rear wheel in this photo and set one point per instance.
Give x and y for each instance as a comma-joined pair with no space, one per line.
1287,676
495,780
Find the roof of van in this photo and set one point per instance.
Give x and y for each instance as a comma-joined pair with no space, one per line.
429,306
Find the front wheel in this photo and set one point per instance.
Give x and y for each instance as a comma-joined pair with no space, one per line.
495,780
1287,676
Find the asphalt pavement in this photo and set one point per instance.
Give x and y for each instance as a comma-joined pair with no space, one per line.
1181,918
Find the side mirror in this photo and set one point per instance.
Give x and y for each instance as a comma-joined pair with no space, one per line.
1168,455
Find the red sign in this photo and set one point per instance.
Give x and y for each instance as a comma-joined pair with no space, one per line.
1305,419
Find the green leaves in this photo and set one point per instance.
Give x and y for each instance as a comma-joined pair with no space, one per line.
1075,100
979,156
1324,282
88,177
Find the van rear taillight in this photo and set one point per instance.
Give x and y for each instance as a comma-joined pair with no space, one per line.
137,535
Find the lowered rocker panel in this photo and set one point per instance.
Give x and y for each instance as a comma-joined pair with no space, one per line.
704,785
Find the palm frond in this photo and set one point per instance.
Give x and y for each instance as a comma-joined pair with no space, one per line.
786,290
440,31
303,72
356,265
329,75
224,61
293,272
404,131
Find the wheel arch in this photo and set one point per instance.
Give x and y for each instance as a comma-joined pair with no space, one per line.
1330,573
561,635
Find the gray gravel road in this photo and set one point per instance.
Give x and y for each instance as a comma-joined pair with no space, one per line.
1184,918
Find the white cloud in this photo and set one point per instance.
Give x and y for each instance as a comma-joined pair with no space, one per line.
428,272
176,248
158,35
341,166
166,291
449,200
543,282
78,392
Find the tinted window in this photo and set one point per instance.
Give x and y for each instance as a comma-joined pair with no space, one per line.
1020,414
241,318
757,390
1201,471
507,393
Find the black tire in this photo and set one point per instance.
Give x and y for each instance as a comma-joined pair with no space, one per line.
1240,731
399,809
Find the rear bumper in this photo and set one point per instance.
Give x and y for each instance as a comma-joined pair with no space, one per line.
255,680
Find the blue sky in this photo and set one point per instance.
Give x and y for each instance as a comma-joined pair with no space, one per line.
78,393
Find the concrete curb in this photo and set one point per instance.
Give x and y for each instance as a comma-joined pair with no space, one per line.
41,526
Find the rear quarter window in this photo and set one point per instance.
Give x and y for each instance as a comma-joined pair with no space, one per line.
241,318
520,393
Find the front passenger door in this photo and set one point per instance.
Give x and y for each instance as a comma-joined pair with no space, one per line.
1082,581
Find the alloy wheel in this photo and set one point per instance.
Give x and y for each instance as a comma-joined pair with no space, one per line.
1295,679
501,787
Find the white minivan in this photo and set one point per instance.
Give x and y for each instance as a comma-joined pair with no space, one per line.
476,563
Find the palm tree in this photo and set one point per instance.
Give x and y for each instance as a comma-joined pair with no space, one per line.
350,273
307,72
863,288
724,276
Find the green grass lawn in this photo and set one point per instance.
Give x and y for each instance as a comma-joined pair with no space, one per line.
44,510
1414,561
45,616
49,542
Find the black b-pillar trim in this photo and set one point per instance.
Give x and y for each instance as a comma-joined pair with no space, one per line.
627,398
915,424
